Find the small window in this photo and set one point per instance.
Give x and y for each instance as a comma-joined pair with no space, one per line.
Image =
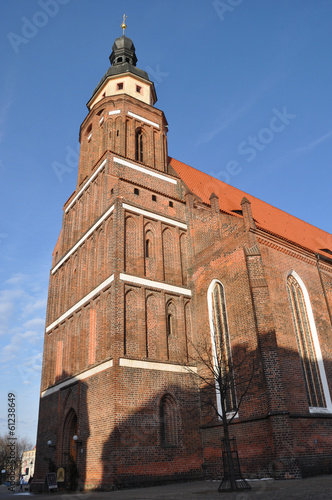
136,191
154,197
138,89
117,133
119,86
127,59
100,112
170,324
147,249
170,203
119,59
139,146
112,191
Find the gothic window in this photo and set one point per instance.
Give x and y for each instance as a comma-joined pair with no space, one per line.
221,348
168,422
170,318
301,313
139,145
170,324
147,248
175,347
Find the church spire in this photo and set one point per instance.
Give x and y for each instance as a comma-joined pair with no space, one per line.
134,81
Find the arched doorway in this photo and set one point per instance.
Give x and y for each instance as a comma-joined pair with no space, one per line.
69,431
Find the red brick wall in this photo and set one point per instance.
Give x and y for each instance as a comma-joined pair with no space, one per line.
118,410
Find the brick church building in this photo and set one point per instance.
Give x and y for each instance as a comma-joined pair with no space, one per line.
155,258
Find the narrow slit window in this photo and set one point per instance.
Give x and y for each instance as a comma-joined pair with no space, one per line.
139,146
170,324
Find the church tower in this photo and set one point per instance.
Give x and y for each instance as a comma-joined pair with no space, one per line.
115,390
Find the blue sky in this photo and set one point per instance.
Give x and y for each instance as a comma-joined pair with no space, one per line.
246,89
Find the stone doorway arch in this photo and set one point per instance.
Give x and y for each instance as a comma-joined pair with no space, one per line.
69,431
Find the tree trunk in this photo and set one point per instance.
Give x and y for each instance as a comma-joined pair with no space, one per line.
230,463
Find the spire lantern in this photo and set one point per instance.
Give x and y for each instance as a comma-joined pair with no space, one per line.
123,51
123,77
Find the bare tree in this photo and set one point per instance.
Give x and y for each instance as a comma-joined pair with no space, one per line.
21,444
224,382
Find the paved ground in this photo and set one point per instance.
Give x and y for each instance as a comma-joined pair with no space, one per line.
317,488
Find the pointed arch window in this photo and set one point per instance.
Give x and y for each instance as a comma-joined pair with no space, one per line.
139,145
170,318
170,324
308,344
173,343
168,421
149,252
147,248
221,348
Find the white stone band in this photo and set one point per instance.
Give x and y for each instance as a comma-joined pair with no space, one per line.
151,365
80,303
155,284
153,173
145,120
85,185
80,241
152,215
80,376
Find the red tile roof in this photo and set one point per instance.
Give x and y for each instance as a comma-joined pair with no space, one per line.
266,216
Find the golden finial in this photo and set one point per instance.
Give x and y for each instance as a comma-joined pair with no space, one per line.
123,25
